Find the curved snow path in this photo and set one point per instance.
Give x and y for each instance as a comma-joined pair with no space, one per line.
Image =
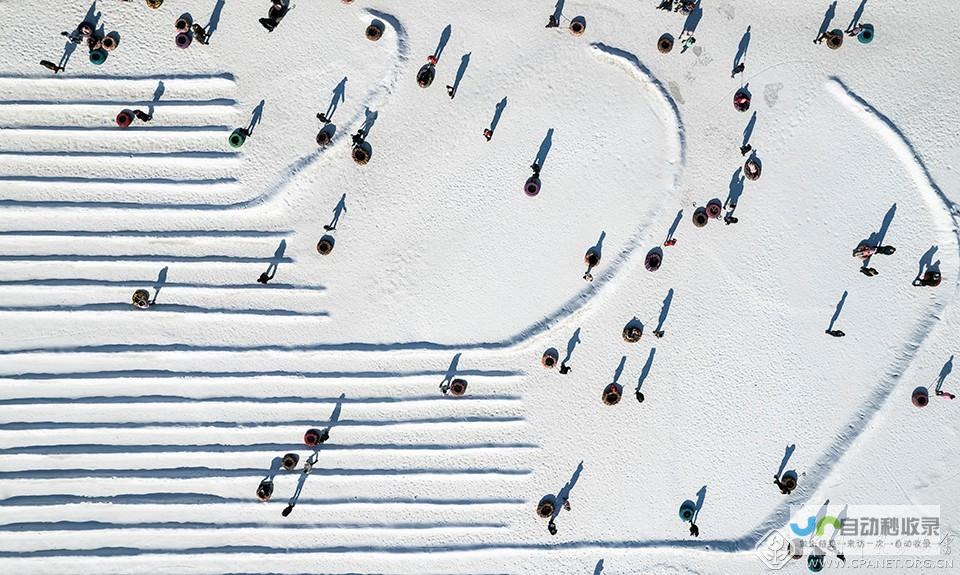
605,282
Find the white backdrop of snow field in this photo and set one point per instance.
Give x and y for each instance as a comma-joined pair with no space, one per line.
134,440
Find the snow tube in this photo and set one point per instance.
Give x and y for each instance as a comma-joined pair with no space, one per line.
547,506
425,75
183,40
687,510
290,461
714,208
183,24
578,26
866,35
700,218
930,278
325,135
665,44
741,100
789,480
550,358
835,39
612,394
277,12
85,29
653,260
751,169
325,245
237,138
141,299
458,387
124,118
920,396
265,490
154,3
312,437
98,56
532,186
109,43
374,31
361,153
633,331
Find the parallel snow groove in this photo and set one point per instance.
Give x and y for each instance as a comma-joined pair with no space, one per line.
57,155
103,525
148,233
165,373
211,258
83,282
115,133
61,425
137,399
120,104
55,499
159,309
254,472
100,448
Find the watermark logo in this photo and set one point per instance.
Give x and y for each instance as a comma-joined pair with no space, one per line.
834,533
774,550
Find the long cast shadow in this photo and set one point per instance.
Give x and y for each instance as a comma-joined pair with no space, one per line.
836,312
742,50
828,18
444,38
545,146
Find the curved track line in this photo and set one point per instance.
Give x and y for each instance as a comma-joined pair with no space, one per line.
670,114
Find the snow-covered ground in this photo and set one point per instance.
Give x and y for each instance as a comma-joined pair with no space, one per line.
134,440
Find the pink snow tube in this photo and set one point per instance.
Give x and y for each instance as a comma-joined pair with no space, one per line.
184,39
653,260
532,187
124,119
741,100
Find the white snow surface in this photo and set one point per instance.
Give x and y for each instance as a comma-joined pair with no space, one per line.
133,441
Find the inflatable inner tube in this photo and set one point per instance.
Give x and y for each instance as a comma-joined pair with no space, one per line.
183,40
98,56
789,480
612,394
550,358
546,507
835,39
458,387
741,100
109,43
665,44
325,245
687,510
425,75
532,186
361,153
124,118
920,396
866,35
714,208
578,26
653,260
312,437
633,331
290,461
700,218
237,138
751,169
374,31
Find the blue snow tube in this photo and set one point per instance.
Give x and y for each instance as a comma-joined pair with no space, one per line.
98,56
866,35
687,510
